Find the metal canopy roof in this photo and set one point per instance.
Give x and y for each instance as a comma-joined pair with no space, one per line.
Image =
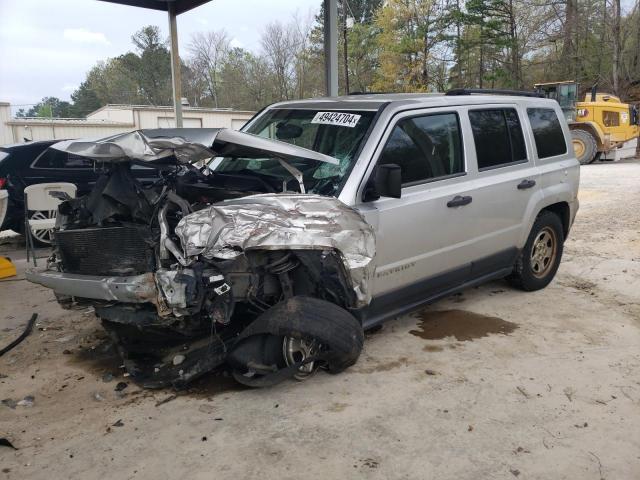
180,6
176,7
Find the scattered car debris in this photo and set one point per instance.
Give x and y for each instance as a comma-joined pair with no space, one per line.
107,377
6,443
26,401
118,423
22,336
9,403
166,400
523,391
121,386
430,372
569,392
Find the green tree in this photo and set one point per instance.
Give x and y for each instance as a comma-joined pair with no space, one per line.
150,67
85,100
48,107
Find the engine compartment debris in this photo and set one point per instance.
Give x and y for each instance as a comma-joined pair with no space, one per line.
180,270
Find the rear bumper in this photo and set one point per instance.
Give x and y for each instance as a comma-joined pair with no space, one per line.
133,289
11,211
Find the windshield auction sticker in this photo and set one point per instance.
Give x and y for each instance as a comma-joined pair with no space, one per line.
336,118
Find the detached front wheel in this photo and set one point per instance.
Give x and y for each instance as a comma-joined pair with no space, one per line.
293,339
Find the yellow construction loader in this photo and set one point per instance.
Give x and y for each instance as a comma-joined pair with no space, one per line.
599,125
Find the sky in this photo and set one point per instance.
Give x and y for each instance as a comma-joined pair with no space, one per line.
47,46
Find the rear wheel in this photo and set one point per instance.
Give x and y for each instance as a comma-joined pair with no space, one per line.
42,238
540,258
584,146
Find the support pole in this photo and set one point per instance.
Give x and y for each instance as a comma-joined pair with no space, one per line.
176,76
331,47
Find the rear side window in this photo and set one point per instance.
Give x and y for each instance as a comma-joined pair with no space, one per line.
52,158
498,137
547,132
425,147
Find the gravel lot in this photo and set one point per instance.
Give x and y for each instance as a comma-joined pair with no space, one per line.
492,383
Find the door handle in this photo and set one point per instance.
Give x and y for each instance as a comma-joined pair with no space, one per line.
524,184
459,201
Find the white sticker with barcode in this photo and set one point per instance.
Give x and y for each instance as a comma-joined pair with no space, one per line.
336,118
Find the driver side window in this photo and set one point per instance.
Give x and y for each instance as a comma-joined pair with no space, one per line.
426,148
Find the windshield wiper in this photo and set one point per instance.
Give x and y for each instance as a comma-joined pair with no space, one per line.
295,173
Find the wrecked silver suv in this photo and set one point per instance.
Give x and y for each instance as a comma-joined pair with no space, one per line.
272,249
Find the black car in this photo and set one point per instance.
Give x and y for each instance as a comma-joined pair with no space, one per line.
34,162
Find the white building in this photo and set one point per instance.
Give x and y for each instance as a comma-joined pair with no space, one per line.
113,119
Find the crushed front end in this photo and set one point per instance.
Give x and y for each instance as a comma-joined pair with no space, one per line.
178,270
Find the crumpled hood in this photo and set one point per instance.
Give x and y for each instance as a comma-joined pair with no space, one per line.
283,221
186,145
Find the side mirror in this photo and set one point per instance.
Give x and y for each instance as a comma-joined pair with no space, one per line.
386,181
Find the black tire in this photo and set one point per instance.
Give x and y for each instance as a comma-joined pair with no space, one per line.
589,146
531,272
308,318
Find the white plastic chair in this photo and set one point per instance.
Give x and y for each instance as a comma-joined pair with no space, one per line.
38,197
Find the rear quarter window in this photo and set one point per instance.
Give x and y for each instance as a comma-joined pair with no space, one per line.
547,132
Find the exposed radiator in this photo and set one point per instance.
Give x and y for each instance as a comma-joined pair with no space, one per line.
105,251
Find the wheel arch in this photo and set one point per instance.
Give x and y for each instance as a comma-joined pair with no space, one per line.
558,205
320,273
563,211
594,130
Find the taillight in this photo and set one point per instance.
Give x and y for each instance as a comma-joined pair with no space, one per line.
3,182
583,112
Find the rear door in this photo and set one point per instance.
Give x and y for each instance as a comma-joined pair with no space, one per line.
507,182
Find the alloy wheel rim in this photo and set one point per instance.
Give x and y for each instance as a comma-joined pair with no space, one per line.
295,350
543,252
43,236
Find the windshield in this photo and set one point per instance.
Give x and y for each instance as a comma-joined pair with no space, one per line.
333,133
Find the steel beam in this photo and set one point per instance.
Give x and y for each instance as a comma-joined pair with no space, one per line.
331,47
176,75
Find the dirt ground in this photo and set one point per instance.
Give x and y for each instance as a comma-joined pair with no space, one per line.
492,383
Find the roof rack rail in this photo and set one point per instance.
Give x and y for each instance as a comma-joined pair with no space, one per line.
369,93
493,91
